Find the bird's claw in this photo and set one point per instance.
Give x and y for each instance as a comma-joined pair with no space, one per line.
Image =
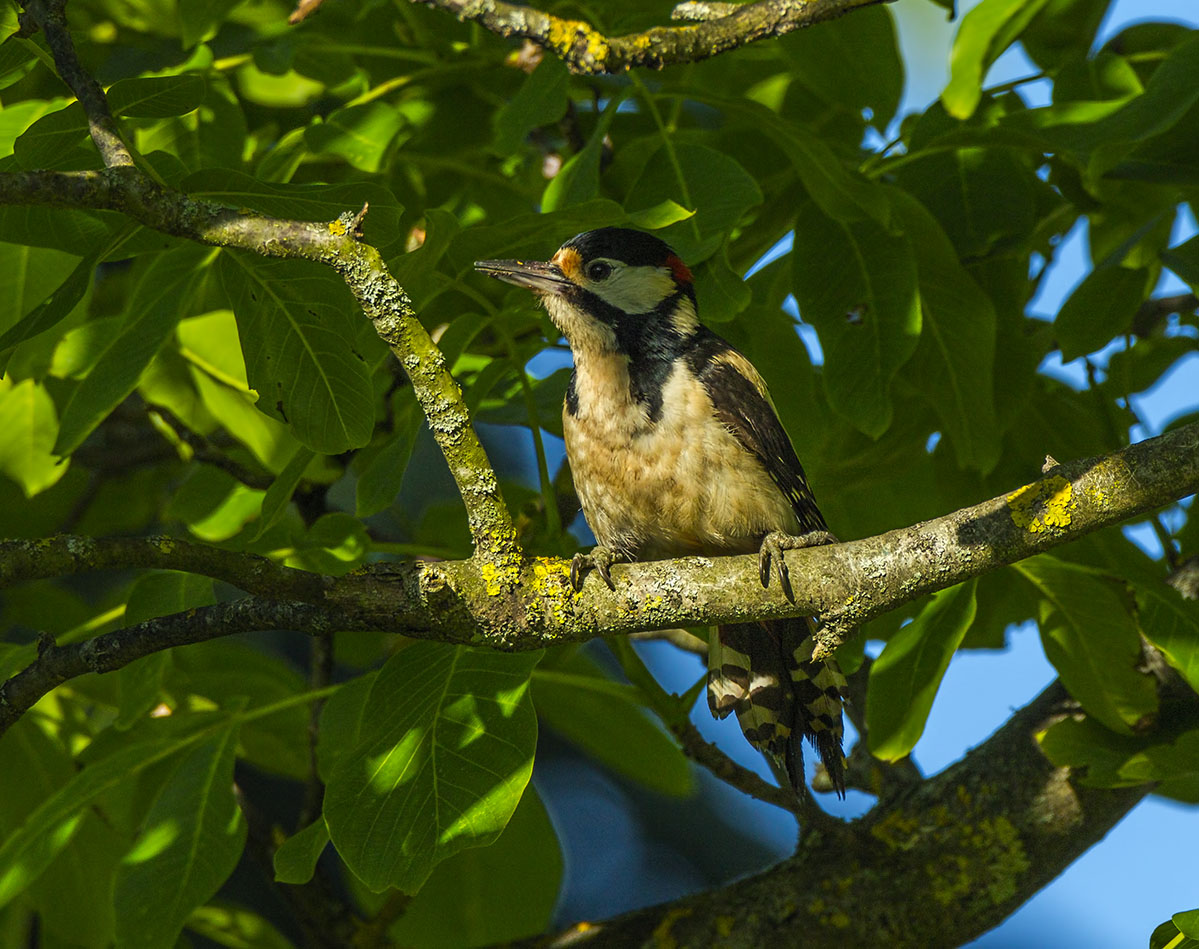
773,545
599,559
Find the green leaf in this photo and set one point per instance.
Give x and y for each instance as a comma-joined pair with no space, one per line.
190,842
841,193
161,593
198,19
1063,33
167,289
217,374
444,753
341,720
381,476
857,285
489,895
66,893
1183,259
235,927
985,199
1187,923
720,291
28,850
1171,623
1092,641
1083,743
157,97
295,860
953,362
541,100
905,678
1101,307
1104,132
608,720
985,32
233,674
335,544
297,325
577,181
361,134
852,64
1169,936
54,141
51,311
28,424
278,495
698,177
660,215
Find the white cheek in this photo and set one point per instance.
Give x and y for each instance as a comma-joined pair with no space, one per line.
635,289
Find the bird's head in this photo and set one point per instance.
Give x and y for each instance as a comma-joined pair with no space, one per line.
604,285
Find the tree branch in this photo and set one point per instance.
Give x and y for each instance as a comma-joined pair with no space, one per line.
50,17
954,856
64,556
846,584
534,604
586,50
56,664
335,244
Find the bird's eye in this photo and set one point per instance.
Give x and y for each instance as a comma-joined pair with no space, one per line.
598,270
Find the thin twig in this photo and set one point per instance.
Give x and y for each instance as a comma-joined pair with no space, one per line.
109,651
670,710
679,638
50,17
320,674
303,10
204,451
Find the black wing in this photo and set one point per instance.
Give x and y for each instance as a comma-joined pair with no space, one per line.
743,405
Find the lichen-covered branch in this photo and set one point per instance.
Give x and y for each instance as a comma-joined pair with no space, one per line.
846,584
936,866
586,50
335,244
532,605
64,556
57,664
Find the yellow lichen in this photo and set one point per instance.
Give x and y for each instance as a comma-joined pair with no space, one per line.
897,830
337,228
551,583
725,925
1044,506
662,935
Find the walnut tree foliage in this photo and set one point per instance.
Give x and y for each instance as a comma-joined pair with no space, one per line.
157,386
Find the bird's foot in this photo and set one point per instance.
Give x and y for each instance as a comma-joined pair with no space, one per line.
773,545
599,559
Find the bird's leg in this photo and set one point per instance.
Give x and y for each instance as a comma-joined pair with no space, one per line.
773,545
599,559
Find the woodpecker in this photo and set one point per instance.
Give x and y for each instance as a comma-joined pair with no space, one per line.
676,450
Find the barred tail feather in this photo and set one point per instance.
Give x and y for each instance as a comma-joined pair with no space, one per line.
764,672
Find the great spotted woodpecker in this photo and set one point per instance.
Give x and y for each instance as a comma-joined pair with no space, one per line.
676,449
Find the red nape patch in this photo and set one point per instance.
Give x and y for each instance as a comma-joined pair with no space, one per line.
681,273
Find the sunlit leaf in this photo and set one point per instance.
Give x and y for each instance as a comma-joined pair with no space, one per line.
297,331
444,752
1092,641
190,842
905,678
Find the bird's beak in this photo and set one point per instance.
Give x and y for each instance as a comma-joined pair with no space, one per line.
540,276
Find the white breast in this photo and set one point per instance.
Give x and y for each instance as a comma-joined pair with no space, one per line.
681,484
